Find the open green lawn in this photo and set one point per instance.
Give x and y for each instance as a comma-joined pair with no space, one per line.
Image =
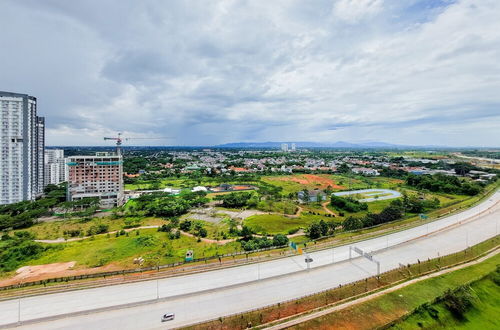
150,244
404,300
289,187
279,224
373,207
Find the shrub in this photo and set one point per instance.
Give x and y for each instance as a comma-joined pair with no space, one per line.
99,229
147,240
280,240
72,232
347,204
185,225
174,235
165,228
459,300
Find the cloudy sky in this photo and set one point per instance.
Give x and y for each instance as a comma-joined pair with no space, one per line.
208,72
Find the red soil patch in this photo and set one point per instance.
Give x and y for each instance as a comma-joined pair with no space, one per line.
43,272
311,179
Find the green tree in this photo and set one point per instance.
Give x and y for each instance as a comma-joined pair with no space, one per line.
352,223
280,240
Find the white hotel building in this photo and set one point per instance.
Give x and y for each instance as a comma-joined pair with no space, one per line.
22,144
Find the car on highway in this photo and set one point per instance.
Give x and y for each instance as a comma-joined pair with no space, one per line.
167,317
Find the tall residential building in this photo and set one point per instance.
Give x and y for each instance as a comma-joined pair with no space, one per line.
294,147
284,147
96,176
22,144
55,166
40,153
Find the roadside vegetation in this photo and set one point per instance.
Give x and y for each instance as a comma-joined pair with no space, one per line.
469,306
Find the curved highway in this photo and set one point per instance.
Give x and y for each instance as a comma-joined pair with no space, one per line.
208,295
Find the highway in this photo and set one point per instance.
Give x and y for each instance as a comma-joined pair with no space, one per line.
208,295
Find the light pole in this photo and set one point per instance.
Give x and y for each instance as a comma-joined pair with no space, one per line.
157,290
333,255
19,311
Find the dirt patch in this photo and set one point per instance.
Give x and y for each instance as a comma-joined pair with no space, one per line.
312,179
29,272
43,272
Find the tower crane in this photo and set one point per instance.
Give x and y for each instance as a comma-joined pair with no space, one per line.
119,140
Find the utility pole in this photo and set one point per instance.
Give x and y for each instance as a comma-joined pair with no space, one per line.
19,311
157,289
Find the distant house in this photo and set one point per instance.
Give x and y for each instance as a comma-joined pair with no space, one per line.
172,191
199,188
365,171
313,196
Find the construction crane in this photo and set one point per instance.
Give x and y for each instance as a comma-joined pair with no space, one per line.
119,139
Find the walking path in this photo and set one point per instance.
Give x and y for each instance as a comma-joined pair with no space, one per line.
327,210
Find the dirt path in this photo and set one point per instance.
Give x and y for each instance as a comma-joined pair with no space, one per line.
327,210
311,316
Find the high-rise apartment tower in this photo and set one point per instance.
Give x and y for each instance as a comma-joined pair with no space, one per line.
22,143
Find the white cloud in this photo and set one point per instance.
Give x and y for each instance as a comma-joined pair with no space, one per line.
352,11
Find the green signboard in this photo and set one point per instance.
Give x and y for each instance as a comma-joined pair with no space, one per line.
189,255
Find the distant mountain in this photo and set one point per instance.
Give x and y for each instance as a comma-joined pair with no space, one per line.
338,144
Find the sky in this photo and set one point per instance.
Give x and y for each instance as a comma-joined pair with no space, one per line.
414,72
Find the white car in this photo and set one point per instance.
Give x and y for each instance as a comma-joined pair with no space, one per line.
167,317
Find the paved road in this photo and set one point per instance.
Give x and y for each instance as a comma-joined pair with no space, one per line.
388,194
212,294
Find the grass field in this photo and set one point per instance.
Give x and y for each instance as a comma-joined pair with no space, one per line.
279,224
56,229
390,306
150,244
